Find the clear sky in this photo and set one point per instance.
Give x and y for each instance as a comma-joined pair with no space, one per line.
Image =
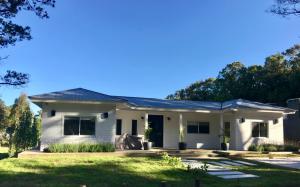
148,48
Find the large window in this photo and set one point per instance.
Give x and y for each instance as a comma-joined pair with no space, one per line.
196,127
119,127
260,129
79,126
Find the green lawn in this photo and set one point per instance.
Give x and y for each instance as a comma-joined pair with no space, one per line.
114,171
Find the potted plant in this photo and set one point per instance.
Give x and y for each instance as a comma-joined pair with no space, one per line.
225,141
147,144
181,144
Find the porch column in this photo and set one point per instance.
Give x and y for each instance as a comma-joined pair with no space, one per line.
146,121
180,128
221,128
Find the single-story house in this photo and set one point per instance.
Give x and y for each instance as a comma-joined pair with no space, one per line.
81,115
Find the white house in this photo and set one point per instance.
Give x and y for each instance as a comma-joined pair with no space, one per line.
80,115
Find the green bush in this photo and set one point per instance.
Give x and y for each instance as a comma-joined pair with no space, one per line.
83,147
173,161
292,148
273,147
252,147
270,147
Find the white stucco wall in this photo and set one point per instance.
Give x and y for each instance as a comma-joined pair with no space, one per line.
243,131
53,129
205,141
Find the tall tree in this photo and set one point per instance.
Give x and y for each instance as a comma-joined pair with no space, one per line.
10,32
274,82
286,7
23,136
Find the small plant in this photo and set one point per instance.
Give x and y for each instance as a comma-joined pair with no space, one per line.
147,133
173,161
252,147
83,147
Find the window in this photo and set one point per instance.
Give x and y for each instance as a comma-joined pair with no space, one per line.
260,129
71,126
119,127
79,126
87,126
134,127
194,127
203,127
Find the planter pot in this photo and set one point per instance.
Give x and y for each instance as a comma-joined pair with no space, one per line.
182,146
225,146
147,145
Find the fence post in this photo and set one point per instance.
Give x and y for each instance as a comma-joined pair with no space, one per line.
197,183
163,184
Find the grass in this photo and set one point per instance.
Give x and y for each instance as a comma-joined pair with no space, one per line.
133,171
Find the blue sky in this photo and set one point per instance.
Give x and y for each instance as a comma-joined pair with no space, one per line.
142,47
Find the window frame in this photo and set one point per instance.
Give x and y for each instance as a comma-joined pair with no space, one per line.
259,129
80,117
198,124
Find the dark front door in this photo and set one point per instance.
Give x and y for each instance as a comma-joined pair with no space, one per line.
156,123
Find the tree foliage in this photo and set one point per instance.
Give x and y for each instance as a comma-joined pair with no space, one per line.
10,32
286,7
24,129
274,82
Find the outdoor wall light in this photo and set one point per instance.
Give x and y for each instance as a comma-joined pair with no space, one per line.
142,117
242,120
104,115
168,118
53,113
275,121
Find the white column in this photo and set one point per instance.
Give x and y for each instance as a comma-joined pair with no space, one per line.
146,121
180,127
221,128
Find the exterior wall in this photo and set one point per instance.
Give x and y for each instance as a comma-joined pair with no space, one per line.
292,122
53,128
206,141
243,131
170,129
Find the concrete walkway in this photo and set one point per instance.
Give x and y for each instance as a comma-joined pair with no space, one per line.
285,162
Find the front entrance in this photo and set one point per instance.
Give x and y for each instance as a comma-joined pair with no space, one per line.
156,123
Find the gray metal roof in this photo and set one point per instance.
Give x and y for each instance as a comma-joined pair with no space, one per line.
80,94
77,94
171,104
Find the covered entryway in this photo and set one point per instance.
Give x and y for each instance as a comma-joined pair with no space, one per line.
156,123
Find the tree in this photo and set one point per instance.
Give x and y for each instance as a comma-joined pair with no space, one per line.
10,32
23,133
17,111
274,82
286,7
3,121
36,130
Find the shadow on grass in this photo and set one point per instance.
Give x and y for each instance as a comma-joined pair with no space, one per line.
130,171
3,155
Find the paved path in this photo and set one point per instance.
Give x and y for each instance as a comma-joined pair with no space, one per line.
221,169
285,162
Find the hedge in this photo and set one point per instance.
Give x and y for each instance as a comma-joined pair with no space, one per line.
82,147
273,148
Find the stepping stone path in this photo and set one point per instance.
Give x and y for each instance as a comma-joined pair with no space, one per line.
221,169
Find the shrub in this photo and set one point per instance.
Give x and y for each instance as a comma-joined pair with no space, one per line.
270,147
252,147
260,148
173,161
83,147
292,148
